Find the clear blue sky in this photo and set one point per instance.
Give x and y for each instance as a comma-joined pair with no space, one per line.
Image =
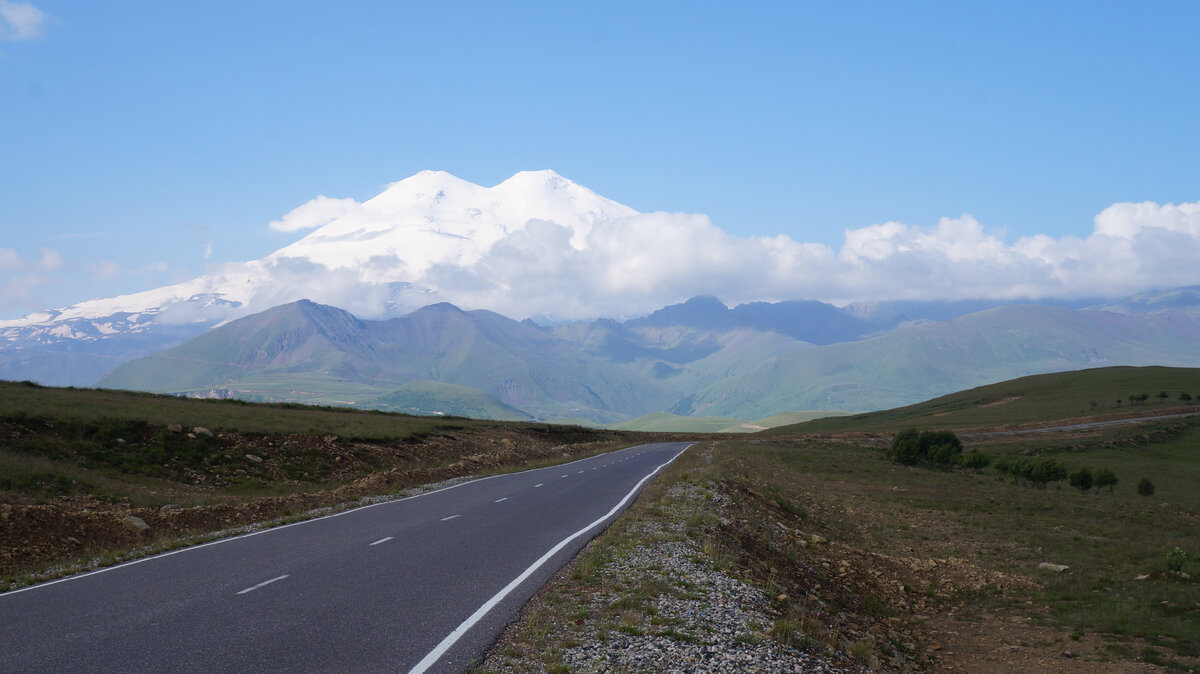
137,133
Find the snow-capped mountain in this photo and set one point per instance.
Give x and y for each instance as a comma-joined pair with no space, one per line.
386,243
379,259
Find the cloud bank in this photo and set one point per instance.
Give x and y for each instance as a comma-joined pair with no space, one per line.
637,264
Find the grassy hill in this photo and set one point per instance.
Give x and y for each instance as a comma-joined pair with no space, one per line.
1027,400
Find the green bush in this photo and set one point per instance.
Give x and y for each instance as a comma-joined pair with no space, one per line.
906,447
1145,487
936,449
1046,471
1176,559
1105,478
1082,479
975,460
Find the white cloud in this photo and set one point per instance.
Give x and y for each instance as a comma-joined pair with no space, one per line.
103,270
313,214
21,21
638,264
21,279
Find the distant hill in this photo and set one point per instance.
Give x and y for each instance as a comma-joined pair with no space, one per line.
922,360
298,349
698,359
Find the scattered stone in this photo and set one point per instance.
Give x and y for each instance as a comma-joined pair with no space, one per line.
192,436
255,459
5,511
135,524
175,428
1057,568
168,508
1141,576
120,442
200,430
818,539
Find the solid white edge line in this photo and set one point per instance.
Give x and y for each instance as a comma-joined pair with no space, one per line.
218,541
479,613
382,540
262,584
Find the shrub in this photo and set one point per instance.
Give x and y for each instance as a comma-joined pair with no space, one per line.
938,449
1176,559
1082,479
1185,397
975,460
906,447
1046,471
1145,487
941,448
1105,478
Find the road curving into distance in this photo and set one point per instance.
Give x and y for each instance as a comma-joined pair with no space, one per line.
419,584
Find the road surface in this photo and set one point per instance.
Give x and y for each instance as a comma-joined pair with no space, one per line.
419,584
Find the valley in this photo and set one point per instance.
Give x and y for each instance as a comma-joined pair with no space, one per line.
851,559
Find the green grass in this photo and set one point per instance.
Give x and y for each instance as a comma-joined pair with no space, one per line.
1107,539
1035,399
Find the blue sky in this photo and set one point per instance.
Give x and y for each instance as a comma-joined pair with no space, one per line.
144,142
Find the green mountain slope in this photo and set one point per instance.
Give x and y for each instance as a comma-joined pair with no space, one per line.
308,352
920,361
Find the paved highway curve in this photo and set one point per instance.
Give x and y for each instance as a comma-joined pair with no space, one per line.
419,584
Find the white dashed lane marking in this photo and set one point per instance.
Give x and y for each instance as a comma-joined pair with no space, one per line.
501,499
382,540
262,584
449,518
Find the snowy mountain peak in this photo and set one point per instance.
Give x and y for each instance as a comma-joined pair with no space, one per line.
380,253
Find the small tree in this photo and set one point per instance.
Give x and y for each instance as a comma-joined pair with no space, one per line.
941,449
1105,478
1162,396
1046,471
906,447
1082,479
975,461
1145,487
938,449
1185,397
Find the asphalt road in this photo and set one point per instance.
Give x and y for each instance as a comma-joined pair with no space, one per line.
420,584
